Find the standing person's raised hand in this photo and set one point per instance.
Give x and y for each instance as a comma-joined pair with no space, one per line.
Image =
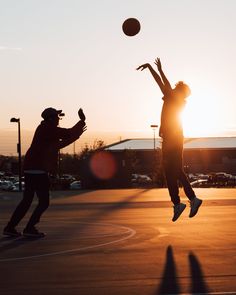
81,115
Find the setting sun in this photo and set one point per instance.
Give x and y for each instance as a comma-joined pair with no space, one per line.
200,117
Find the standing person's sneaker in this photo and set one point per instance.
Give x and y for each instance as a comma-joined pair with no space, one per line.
11,232
194,204
32,233
178,209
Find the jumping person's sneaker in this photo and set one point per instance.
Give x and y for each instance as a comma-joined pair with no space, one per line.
32,233
194,204
178,210
11,232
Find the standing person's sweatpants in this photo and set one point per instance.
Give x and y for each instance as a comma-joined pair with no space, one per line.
34,183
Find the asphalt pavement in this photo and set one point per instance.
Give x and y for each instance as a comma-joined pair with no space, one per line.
122,242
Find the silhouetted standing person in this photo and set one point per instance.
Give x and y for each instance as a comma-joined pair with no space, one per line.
40,160
171,132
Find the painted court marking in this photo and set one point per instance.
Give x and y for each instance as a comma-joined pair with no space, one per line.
127,230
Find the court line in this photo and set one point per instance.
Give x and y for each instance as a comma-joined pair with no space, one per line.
98,235
95,236
128,229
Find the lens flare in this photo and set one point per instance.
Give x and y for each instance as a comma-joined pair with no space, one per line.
103,165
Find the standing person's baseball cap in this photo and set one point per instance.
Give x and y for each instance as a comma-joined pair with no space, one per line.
50,112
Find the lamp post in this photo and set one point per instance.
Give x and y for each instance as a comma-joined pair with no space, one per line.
59,153
15,120
154,127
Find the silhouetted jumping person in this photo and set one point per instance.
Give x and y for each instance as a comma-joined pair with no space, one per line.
40,160
171,132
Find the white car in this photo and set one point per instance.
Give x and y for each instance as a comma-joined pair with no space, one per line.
199,183
75,184
67,177
141,179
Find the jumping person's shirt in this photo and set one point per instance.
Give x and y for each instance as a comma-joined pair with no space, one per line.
47,141
171,126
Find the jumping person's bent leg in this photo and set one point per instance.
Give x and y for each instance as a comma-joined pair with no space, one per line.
172,185
171,175
186,185
195,203
172,160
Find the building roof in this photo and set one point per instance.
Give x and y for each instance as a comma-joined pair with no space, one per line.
211,143
190,143
134,144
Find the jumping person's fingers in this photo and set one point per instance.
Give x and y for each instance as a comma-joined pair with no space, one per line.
142,67
157,61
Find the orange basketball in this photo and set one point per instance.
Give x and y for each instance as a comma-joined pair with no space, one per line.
131,27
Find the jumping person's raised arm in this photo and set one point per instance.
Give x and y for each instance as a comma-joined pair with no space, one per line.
164,79
155,75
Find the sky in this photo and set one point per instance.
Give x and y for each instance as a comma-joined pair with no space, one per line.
69,54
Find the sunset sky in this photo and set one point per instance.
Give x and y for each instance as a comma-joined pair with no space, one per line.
71,54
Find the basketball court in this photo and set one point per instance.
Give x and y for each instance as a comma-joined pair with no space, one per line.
123,242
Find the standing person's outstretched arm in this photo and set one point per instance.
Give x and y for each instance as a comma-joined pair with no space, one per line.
164,79
68,136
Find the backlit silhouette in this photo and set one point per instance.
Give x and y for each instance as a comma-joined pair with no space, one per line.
171,132
40,160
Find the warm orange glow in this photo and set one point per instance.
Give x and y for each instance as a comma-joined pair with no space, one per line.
201,118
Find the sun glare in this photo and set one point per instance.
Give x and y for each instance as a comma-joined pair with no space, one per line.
200,118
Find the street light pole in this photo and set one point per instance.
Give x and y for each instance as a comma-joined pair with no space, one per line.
154,135
59,153
14,120
154,127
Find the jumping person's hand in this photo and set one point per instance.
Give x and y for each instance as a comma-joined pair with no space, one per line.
81,115
158,64
142,67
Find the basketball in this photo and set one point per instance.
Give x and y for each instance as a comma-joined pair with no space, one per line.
131,27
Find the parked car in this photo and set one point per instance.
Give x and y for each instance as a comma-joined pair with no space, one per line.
67,177
140,179
6,185
75,184
200,183
16,188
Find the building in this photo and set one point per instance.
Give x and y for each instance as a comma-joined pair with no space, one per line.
201,155
114,165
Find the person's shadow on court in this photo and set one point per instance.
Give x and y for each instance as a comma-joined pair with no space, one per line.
198,283
170,282
9,243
